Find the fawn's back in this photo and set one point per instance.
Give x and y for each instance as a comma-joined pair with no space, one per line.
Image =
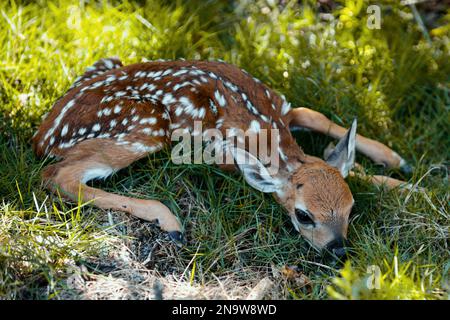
140,105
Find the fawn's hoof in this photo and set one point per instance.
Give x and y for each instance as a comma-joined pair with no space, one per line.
405,167
177,238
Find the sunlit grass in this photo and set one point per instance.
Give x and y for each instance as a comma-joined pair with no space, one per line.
391,79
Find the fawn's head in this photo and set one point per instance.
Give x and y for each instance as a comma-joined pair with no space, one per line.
314,193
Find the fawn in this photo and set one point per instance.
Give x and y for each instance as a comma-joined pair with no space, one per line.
114,115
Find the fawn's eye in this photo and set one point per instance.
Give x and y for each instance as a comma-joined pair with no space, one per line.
303,217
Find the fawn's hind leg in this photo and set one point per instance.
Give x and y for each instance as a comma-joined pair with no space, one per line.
378,152
98,158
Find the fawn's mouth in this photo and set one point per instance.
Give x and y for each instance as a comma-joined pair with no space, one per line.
329,255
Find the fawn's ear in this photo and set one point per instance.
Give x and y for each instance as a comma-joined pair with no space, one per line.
255,173
343,155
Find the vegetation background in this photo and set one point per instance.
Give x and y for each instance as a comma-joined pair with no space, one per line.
321,55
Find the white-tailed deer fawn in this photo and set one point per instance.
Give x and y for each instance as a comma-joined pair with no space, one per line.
114,115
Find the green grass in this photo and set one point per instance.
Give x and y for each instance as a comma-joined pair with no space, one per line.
392,79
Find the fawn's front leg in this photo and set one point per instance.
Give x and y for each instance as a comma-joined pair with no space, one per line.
378,152
98,158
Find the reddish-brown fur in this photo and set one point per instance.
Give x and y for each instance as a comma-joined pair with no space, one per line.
84,113
114,115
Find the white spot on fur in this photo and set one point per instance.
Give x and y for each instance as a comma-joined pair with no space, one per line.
264,118
178,111
142,148
117,109
212,106
255,126
65,145
108,63
148,120
180,72
219,123
201,113
231,86
110,79
168,99
188,106
147,131
103,135
220,98
285,108
181,85
58,119
160,132
174,126
282,155
64,130
165,115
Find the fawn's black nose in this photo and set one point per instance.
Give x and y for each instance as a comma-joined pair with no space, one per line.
337,247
